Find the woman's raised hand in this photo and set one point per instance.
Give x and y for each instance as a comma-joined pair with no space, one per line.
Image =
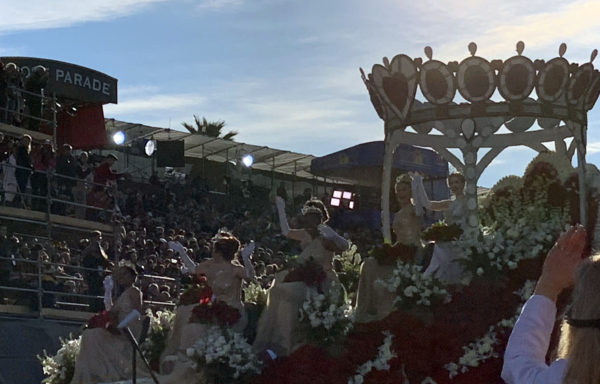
562,260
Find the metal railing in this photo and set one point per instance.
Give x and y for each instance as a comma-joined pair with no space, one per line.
25,287
58,188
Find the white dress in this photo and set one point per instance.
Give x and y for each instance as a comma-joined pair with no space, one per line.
524,359
443,261
9,180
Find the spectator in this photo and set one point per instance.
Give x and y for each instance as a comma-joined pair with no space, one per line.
24,166
84,173
9,178
524,359
14,85
43,161
65,166
95,259
34,85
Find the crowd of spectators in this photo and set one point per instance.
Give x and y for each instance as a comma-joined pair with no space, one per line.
149,217
21,103
32,171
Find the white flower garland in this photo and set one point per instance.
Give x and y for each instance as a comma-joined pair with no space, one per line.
483,348
160,326
380,363
412,285
255,293
325,311
224,346
59,367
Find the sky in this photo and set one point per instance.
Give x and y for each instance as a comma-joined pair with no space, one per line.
286,73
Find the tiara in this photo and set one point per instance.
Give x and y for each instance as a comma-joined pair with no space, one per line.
222,234
308,209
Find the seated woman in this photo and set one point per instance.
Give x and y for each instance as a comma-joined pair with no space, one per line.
106,356
374,302
579,351
277,331
224,275
443,264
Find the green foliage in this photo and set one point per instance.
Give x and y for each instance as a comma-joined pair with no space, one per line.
349,275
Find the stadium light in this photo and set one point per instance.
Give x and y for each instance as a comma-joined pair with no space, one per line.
119,137
150,147
247,160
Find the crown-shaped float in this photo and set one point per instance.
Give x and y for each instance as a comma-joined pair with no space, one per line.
563,90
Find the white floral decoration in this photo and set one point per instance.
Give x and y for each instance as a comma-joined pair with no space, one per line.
223,346
483,348
58,369
413,286
380,363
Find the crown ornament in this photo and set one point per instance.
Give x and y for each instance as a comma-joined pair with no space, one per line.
484,104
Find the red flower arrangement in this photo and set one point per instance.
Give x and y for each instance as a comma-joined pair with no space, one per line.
199,293
310,273
423,345
387,254
216,312
103,320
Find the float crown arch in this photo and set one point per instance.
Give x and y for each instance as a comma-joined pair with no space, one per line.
565,92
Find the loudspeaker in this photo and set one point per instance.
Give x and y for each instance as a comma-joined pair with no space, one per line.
170,153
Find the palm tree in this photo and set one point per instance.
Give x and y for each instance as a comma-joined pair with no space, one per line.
209,128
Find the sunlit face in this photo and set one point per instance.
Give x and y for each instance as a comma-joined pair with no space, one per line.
403,191
456,185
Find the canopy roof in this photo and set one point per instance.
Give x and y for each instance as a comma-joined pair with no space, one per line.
215,149
363,163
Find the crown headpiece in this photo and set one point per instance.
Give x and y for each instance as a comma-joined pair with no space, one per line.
564,92
309,208
222,233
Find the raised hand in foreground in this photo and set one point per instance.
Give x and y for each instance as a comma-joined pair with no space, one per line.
560,264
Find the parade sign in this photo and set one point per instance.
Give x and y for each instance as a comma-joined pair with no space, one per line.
71,81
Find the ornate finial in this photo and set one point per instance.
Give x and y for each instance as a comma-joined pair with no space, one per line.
562,49
386,62
520,47
428,52
472,48
362,74
593,55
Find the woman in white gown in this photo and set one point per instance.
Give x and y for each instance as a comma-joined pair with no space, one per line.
224,274
106,356
374,302
278,327
443,263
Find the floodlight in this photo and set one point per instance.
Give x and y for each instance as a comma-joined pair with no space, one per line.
247,160
119,137
335,202
337,194
150,147
347,195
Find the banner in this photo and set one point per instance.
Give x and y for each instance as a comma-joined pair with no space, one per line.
85,130
71,81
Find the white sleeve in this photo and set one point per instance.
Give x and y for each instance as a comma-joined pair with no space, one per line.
525,356
188,263
420,198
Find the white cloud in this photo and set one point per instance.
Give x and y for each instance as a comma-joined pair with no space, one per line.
163,103
593,147
217,4
40,14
